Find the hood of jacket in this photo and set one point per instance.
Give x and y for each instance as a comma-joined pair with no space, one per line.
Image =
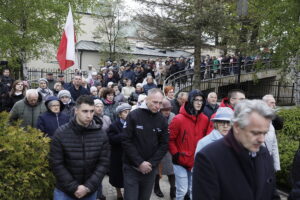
53,98
225,103
189,105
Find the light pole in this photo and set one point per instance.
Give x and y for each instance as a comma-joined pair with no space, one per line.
242,11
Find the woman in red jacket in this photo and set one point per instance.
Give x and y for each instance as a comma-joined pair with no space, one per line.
186,129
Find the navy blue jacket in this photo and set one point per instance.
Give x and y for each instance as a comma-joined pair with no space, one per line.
48,121
148,87
224,170
76,93
129,75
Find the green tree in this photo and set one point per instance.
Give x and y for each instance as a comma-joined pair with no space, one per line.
186,23
28,27
111,14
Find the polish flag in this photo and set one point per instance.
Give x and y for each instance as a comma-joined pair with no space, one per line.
66,50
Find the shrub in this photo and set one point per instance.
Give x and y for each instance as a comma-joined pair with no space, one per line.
288,143
24,169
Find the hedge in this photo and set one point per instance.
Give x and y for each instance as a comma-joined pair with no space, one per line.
24,168
288,143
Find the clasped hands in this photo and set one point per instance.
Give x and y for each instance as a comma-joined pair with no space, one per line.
145,167
81,191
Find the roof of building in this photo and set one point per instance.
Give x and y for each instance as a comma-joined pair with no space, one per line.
84,45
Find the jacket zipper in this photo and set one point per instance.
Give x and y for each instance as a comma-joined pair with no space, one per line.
83,150
57,120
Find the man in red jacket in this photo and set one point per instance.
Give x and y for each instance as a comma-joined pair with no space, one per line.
186,128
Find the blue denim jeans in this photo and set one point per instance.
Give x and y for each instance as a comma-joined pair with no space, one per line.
60,195
183,181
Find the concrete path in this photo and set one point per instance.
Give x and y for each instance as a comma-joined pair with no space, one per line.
111,194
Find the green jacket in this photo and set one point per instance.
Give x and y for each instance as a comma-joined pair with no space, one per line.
27,113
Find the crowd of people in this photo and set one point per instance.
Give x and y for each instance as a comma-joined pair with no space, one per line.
122,122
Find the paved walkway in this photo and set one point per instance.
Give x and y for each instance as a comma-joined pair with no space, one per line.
111,194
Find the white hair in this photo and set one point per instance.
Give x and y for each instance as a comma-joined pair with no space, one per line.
267,97
244,108
93,88
31,92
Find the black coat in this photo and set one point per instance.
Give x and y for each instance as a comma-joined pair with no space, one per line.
224,170
76,93
116,136
175,106
146,137
79,155
13,99
295,175
209,110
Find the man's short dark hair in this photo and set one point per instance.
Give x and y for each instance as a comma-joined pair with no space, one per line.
84,99
233,92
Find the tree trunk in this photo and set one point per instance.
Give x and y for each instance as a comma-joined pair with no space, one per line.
197,65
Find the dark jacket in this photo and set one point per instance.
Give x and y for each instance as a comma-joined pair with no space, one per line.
209,110
148,87
3,97
146,137
224,170
175,106
129,74
295,177
79,156
115,134
110,110
69,109
14,99
76,93
48,122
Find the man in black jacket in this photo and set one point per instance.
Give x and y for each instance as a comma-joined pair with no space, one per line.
238,166
79,154
145,144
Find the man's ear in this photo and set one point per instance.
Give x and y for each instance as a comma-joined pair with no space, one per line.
75,110
235,127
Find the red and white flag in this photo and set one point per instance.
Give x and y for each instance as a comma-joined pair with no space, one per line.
66,50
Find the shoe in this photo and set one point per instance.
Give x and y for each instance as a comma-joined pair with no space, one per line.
187,197
173,192
103,197
158,192
119,198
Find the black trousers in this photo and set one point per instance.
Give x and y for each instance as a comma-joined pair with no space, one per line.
137,186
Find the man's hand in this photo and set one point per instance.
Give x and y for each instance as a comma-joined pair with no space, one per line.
81,191
145,167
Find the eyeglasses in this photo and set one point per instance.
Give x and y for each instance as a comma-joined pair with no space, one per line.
55,106
198,101
223,123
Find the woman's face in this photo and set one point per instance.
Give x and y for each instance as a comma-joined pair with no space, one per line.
43,85
94,92
99,109
223,127
170,94
58,87
110,97
128,83
65,99
123,114
19,86
55,107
